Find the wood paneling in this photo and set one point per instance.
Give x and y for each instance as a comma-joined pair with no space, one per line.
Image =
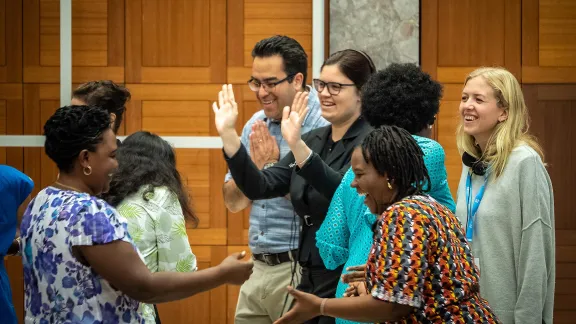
11,122
552,108
252,20
176,41
10,41
97,40
548,41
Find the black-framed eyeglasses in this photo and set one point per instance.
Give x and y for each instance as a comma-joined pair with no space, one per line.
255,84
333,87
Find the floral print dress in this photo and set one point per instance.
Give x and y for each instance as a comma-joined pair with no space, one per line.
58,288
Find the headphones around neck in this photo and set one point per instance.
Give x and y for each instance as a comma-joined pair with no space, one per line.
478,167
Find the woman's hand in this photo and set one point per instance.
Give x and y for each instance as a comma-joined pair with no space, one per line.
293,117
235,270
225,116
306,306
355,274
356,289
226,112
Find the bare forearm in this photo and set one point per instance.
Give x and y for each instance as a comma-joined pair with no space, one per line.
169,286
363,309
234,199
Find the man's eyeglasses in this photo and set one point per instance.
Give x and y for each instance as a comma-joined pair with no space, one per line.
333,87
255,84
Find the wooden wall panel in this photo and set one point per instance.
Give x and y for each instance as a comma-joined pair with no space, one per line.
552,108
252,20
10,41
176,41
97,40
11,121
548,41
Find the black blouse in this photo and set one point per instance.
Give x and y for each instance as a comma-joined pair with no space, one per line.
311,187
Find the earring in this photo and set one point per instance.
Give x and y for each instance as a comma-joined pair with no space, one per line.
89,172
389,185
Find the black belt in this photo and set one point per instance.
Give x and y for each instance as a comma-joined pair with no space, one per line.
273,259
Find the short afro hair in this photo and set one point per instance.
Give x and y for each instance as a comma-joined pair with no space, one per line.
72,129
401,95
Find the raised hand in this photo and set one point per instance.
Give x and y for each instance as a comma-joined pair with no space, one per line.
355,274
263,146
235,271
306,306
293,117
226,111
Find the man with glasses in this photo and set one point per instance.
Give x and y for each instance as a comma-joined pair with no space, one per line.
279,70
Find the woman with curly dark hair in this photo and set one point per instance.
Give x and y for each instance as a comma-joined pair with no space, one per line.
147,190
401,95
80,263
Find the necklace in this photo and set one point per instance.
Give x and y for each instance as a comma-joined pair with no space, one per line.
67,187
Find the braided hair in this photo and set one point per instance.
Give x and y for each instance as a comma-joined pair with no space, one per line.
72,129
394,152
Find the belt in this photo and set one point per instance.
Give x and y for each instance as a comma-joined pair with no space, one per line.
273,259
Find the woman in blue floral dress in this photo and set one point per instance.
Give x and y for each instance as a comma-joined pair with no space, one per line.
80,264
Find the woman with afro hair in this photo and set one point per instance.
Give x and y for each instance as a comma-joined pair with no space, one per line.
400,95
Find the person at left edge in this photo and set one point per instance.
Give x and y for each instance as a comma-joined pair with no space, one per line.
15,189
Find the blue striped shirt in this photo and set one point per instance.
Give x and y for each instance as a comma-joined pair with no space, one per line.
274,226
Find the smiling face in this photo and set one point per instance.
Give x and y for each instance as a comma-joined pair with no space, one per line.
480,110
343,107
102,162
268,70
368,182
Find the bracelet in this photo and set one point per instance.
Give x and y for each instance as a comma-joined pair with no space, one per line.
322,306
301,164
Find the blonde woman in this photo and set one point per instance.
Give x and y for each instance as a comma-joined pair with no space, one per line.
505,200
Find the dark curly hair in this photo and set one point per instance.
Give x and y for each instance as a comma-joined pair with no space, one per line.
402,95
145,159
394,152
72,129
107,95
293,55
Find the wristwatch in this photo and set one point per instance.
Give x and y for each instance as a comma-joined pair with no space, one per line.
268,165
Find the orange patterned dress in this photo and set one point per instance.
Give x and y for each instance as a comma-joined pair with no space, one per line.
420,257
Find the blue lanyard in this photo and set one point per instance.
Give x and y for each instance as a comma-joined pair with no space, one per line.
472,206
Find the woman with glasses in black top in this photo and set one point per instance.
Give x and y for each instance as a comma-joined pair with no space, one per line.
318,159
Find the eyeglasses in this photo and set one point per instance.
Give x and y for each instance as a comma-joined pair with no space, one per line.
333,87
255,84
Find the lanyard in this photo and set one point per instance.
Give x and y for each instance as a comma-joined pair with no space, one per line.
472,206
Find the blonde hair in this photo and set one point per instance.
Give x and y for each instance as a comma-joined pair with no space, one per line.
507,134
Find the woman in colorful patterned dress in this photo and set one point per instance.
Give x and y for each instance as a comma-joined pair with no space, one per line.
80,263
147,190
420,269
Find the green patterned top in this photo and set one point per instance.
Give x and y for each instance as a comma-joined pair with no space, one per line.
157,226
